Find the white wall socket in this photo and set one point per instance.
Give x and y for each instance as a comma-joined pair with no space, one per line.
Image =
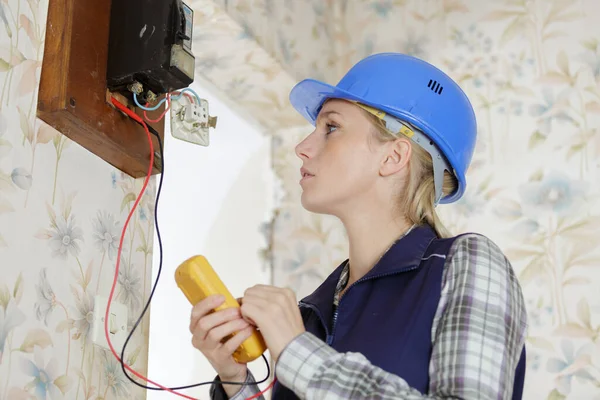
117,324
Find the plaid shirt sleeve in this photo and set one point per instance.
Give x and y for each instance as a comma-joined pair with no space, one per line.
248,390
478,335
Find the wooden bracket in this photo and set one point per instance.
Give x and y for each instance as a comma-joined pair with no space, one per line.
73,94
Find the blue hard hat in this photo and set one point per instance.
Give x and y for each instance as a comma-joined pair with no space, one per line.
411,90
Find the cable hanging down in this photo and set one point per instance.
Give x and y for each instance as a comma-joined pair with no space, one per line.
120,358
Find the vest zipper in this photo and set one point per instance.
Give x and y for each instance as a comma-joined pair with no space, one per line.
335,316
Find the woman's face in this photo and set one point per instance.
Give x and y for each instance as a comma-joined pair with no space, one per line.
343,163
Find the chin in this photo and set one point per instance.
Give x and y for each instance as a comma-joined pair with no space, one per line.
315,206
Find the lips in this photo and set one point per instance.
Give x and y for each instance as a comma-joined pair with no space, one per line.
305,174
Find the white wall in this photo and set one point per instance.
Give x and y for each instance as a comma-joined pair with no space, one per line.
212,203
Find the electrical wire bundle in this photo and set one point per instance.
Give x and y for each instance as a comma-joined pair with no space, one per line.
148,129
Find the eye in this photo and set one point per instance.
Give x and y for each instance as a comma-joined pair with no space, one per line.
331,128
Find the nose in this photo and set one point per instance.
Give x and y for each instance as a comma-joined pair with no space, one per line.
305,149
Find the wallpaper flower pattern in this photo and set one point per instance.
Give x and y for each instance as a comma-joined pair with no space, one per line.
531,69
61,214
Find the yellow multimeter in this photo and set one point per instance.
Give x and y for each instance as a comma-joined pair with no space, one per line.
198,280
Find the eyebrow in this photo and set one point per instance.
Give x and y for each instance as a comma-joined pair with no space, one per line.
327,114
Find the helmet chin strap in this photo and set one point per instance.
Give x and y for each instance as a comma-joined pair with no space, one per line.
396,126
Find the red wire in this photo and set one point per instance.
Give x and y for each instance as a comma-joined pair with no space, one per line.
186,94
257,395
137,118
190,98
163,114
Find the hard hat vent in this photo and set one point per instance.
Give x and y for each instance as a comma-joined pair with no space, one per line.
435,86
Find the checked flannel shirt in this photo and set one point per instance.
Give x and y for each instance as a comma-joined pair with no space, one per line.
478,334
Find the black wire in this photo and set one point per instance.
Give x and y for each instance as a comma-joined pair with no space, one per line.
162,170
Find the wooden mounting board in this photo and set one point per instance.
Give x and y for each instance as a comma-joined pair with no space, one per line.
73,94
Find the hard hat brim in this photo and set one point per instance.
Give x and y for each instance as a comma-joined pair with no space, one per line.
309,95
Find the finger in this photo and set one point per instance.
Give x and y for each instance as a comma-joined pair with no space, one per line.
254,311
216,335
232,344
273,296
266,291
291,295
264,288
204,307
260,291
211,321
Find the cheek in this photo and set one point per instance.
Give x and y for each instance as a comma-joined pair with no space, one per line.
344,173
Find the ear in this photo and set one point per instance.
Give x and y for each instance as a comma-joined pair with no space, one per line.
396,157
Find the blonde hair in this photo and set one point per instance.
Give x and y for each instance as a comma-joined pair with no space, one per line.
418,198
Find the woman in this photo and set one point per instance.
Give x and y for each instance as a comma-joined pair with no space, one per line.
413,313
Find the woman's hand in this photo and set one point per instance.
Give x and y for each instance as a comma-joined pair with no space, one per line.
275,311
208,329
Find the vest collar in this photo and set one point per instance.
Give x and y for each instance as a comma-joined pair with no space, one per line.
404,253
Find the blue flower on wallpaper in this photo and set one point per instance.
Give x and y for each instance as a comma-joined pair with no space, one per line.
146,211
534,360
246,32
553,108
113,179
266,230
22,178
368,46
10,318
321,27
44,376
285,47
382,7
130,285
211,61
238,87
84,315
525,228
106,233
46,299
114,379
515,107
592,59
539,311
319,8
470,204
303,259
414,45
519,63
473,39
65,238
269,7
555,193
566,367
142,214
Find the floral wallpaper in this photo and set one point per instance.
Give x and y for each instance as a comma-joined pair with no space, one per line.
61,214
531,69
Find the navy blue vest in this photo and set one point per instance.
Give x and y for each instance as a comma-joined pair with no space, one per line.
388,314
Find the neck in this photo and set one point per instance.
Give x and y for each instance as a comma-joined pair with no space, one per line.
370,236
